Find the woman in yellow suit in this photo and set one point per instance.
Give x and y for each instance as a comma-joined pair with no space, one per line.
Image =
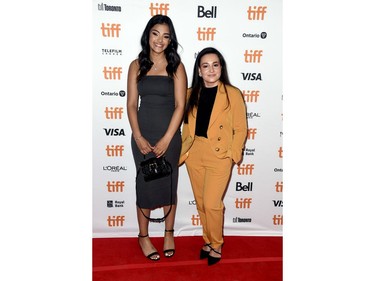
213,136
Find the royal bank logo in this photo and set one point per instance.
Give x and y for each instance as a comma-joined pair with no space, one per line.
115,204
250,151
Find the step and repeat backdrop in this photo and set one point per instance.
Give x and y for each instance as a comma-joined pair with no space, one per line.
249,35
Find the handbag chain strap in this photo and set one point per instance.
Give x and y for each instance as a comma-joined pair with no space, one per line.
159,220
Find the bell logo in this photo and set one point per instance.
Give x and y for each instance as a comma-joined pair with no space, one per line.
207,14
256,13
251,133
253,56
245,169
115,186
159,9
206,34
110,29
279,186
115,221
250,95
195,220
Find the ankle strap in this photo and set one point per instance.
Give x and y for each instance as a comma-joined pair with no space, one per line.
140,236
172,230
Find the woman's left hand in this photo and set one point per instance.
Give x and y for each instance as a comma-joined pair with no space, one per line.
160,148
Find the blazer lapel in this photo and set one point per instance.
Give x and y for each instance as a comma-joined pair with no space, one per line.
219,105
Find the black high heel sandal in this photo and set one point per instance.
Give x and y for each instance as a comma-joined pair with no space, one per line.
153,253
212,260
204,254
169,252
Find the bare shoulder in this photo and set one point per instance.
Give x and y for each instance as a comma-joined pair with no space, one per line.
134,66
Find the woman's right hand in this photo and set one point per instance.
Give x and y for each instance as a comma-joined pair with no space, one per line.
143,145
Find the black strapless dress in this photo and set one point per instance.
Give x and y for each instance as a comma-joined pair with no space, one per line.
155,112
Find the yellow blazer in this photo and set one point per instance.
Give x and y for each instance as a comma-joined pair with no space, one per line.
227,129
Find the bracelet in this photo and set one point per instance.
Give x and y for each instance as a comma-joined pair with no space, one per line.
138,138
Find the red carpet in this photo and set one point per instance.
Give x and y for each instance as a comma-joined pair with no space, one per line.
244,258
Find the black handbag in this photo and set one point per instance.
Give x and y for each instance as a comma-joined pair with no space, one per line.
155,168
152,169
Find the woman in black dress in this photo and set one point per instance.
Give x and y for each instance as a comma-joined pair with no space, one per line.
158,78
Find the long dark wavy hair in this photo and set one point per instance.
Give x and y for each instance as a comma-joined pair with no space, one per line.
197,82
173,58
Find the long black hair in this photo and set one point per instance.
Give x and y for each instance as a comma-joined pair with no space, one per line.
198,83
173,58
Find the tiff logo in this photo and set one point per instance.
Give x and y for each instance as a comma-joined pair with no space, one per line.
159,9
196,220
110,29
114,150
206,34
280,151
245,169
256,13
112,73
115,221
243,203
115,186
114,113
277,220
279,186
250,95
253,56
251,133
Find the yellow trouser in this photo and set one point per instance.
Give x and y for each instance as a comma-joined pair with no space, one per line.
209,178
